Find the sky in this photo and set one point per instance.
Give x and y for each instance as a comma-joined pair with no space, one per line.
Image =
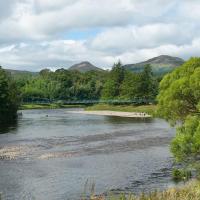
37,34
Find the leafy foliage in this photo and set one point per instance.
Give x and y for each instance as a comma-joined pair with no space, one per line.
179,94
9,97
186,145
111,89
122,84
179,101
62,85
93,85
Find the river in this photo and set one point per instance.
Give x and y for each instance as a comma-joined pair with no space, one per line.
56,155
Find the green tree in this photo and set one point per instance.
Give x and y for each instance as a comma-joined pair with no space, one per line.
186,145
148,85
62,85
143,86
111,88
129,88
179,103
179,92
9,97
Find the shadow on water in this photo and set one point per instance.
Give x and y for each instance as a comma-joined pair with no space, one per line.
117,120
7,127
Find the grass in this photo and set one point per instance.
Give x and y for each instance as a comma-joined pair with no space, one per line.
47,106
190,191
149,109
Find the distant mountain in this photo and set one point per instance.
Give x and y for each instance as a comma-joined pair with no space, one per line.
85,67
160,65
20,72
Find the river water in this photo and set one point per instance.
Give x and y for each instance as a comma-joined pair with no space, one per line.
56,155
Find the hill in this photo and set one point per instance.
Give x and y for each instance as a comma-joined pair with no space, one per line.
85,67
20,72
160,65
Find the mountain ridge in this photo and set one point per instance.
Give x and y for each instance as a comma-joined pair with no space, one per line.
160,65
17,72
84,66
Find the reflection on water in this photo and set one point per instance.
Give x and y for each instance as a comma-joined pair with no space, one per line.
115,120
52,157
8,127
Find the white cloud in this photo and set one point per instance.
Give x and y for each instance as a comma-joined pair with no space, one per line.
39,18
131,38
33,32
64,53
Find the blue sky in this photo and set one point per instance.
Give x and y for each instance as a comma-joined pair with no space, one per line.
81,34
45,33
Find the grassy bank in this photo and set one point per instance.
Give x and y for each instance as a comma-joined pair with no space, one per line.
47,106
191,191
149,109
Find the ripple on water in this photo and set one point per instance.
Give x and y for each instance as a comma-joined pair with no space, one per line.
51,158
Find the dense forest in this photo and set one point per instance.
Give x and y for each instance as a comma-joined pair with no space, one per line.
93,85
66,85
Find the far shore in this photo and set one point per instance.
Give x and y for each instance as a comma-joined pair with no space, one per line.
47,106
113,113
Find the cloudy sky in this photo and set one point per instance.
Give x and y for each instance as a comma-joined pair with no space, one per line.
58,33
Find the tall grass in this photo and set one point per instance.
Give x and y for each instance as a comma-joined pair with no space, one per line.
190,191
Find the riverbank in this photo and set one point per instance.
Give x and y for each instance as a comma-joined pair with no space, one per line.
47,106
113,113
190,191
147,109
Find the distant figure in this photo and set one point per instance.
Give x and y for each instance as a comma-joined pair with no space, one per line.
47,115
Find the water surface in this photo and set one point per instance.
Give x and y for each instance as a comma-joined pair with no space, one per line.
51,154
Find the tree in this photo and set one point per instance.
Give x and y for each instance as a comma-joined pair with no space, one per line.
129,88
44,72
62,85
179,102
147,84
142,85
186,145
111,88
9,98
179,92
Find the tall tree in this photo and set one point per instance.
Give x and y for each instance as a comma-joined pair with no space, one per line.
111,88
179,102
9,97
179,92
147,83
129,88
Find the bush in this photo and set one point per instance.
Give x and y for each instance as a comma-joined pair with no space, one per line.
181,175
